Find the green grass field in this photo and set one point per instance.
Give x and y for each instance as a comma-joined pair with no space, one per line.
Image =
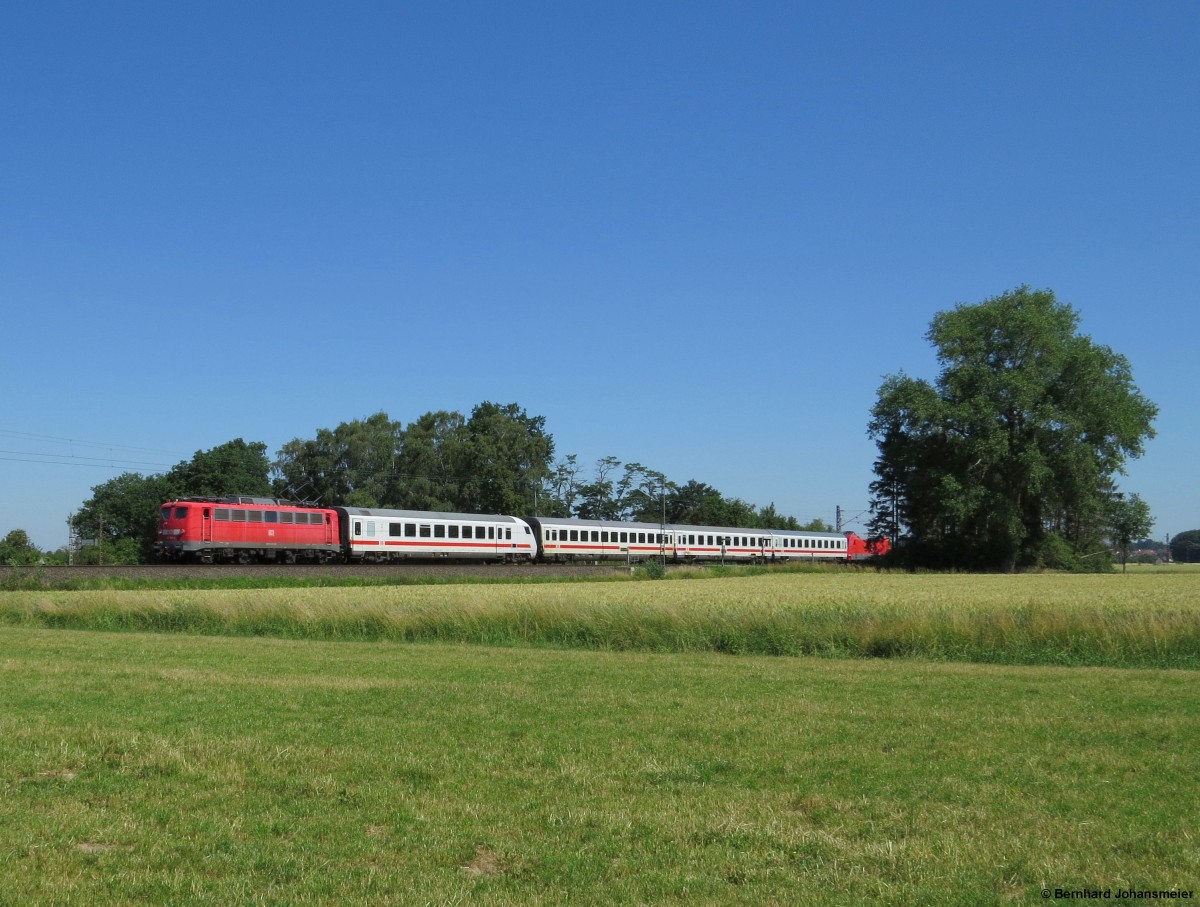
248,760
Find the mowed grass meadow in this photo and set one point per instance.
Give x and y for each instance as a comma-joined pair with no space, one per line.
961,739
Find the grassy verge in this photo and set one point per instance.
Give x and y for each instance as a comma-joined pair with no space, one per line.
1142,620
144,769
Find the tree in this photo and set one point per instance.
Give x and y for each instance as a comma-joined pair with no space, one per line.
122,513
698,504
235,467
352,464
640,493
559,489
122,517
430,462
16,550
1129,519
1185,547
1011,453
596,499
506,460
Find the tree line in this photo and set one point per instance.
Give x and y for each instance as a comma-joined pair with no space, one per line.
499,459
1007,460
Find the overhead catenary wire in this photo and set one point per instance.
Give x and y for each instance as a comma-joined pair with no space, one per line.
124,457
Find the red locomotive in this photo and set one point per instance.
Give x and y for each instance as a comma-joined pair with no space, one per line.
860,549
245,529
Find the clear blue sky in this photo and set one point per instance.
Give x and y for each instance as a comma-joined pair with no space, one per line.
692,235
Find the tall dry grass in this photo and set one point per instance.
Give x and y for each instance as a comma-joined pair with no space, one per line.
1134,620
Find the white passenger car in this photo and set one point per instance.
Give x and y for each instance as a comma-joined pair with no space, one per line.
391,535
563,539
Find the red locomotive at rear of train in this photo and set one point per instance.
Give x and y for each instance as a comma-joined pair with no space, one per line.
245,529
860,549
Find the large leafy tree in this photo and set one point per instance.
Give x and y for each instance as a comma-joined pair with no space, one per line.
236,467
1185,547
429,463
1011,453
351,464
493,462
121,517
697,504
506,460
122,513
17,550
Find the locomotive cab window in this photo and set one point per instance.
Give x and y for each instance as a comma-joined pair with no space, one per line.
180,513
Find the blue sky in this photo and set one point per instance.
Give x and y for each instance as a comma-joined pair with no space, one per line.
691,235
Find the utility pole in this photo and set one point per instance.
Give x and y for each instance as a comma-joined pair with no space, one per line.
662,526
838,522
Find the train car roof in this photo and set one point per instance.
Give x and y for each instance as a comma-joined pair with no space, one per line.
237,500
685,527
427,514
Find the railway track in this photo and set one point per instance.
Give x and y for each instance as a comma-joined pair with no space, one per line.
53,576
